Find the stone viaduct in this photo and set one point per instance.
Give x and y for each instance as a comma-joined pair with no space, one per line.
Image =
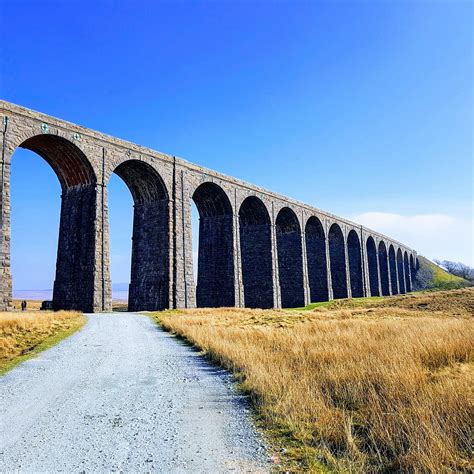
256,248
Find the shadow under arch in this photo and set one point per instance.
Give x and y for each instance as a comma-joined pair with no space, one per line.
317,264
412,268
290,258
149,280
393,269
76,277
384,269
355,264
215,280
256,252
401,276
337,259
406,266
373,267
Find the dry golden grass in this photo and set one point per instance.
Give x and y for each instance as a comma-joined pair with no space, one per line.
23,334
32,305
375,386
119,306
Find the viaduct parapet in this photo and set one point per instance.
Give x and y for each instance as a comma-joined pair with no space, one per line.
256,248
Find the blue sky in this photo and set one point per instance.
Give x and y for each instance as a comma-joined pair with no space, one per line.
363,109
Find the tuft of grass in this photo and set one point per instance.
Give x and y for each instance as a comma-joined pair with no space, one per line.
24,334
384,385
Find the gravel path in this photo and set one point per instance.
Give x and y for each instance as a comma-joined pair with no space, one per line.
123,395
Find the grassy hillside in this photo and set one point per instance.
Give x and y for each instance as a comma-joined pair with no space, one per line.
431,277
377,385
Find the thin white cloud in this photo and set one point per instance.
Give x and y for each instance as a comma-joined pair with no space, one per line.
433,235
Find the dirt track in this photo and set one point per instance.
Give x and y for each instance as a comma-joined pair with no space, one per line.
123,395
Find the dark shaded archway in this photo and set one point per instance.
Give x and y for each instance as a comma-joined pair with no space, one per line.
373,267
75,280
355,264
71,166
337,259
383,268
290,259
316,256
407,273
401,277
215,280
412,267
256,253
149,281
393,270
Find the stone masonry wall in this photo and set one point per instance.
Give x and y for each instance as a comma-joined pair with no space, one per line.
149,286
254,265
317,263
74,283
256,251
215,285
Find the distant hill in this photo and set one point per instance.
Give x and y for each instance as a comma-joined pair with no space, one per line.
431,277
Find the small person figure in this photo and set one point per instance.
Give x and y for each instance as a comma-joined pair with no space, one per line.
23,305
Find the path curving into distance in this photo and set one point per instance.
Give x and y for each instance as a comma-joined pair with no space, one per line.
123,395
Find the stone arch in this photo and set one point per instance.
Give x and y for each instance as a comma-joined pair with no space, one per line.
68,161
373,267
150,280
337,258
75,279
384,269
215,283
143,180
290,258
407,272
355,264
256,253
401,278
316,257
393,269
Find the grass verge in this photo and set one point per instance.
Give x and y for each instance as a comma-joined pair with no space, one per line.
25,334
335,303
379,385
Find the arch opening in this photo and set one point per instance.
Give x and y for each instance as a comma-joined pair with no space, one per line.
68,162
373,267
290,258
413,268
337,259
401,273
393,270
256,253
317,264
407,272
215,276
149,286
355,264
383,267
35,204
74,284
